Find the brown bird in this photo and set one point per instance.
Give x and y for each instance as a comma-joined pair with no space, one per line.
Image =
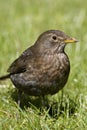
44,67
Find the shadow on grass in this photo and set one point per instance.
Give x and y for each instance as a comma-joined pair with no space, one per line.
65,105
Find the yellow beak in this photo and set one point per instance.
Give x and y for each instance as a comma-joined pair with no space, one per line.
70,40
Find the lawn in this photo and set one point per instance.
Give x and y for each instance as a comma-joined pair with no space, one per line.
21,22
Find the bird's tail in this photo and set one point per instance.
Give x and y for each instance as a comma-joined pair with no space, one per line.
5,77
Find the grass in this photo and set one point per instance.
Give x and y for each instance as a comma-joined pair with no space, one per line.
20,24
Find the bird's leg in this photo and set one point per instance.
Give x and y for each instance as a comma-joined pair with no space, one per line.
62,92
19,97
44,100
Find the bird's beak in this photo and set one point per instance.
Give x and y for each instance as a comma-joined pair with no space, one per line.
70,40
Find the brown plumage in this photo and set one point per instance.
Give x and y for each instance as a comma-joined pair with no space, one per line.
44,67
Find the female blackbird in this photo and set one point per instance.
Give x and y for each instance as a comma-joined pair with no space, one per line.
44,67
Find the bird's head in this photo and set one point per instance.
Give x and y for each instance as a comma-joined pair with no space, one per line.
54,40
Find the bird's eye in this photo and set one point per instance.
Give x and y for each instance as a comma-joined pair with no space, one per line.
54,37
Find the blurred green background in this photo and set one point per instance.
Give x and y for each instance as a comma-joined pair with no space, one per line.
21,22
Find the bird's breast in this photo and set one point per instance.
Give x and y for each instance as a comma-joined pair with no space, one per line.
56,65
48,70
47,75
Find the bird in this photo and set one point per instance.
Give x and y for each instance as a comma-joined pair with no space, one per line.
43,68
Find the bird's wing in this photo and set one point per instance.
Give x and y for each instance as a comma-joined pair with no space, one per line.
19,65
